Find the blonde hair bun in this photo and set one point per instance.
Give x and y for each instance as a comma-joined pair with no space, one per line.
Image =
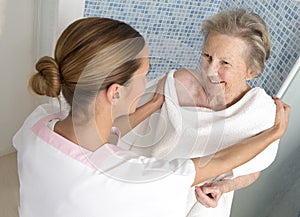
47,80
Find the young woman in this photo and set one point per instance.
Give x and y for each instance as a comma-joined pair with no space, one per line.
71,165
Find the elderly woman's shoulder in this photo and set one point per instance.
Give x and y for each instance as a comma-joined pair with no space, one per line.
189,89
186,75
258,98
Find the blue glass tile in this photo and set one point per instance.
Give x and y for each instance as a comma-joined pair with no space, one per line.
172,30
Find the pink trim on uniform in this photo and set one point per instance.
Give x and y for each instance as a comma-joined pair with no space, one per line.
71,149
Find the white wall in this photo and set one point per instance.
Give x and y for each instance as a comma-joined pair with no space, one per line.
53,16
67,16
288,204
276,193
28,30
17,62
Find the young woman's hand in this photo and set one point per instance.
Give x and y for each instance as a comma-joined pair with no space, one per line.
282,117
159,97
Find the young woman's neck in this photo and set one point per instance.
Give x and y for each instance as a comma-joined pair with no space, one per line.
90,135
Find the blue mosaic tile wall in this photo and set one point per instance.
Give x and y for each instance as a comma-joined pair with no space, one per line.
172,31
170,27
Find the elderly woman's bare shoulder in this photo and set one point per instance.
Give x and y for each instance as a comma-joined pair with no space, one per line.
189,89
186,76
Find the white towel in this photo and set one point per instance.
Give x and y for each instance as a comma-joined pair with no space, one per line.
186,132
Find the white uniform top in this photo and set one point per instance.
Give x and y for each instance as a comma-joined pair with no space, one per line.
59,178
184,132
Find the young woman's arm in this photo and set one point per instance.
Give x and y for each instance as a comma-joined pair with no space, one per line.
238,154
126,123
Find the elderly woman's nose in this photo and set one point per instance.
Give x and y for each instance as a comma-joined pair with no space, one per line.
212,70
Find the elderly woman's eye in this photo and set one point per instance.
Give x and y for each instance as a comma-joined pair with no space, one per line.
226,63
206,56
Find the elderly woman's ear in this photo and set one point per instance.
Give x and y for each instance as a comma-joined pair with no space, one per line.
252,74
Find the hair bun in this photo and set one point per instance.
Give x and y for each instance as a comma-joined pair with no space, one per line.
47,80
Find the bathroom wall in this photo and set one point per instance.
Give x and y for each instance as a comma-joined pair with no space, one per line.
52,17
28,30
17,62
172,30
171,27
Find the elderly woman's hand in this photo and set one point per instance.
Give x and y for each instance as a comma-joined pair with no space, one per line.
209,195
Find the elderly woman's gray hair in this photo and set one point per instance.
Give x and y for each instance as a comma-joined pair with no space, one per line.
249,27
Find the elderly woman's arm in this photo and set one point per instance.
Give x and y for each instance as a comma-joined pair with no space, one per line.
209,194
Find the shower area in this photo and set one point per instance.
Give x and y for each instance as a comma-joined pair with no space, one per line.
172,31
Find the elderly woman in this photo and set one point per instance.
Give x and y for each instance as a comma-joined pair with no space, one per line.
236,46
216,106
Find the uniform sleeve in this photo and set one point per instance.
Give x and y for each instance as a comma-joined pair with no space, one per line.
126,165
258,163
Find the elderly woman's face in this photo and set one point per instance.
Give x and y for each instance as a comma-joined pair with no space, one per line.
223,67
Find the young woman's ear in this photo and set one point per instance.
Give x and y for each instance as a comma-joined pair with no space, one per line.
113,93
